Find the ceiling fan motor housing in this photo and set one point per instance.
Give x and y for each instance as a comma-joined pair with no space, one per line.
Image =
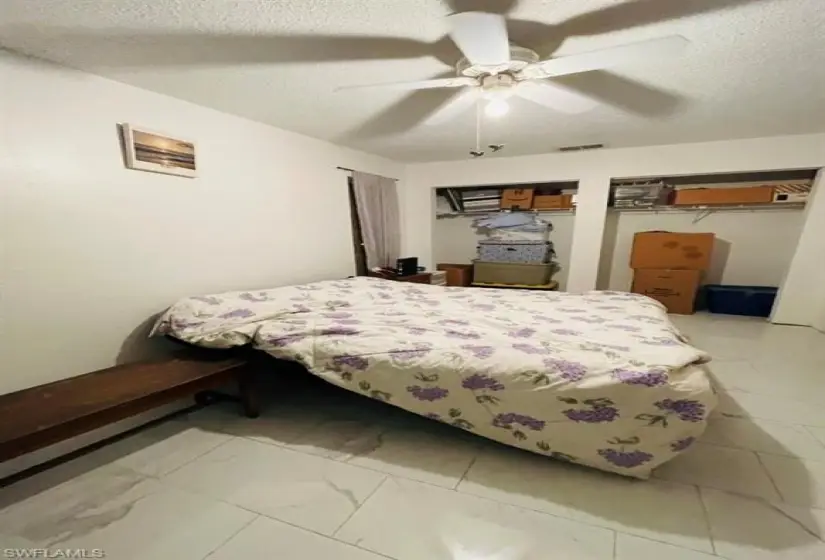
520,58
497,86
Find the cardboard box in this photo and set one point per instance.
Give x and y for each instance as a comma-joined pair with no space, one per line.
552,201
790,193
735,195
517,198
675,289
662,249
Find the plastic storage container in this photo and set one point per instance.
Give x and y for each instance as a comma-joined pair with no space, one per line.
754,301
513,273
515,251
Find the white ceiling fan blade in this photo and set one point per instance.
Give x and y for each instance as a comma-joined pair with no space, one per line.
555,96
644,51
461,103
482,37
460,81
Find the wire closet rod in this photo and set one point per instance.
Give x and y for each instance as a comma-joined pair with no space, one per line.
348,170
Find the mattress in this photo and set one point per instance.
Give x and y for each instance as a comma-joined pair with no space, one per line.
603,379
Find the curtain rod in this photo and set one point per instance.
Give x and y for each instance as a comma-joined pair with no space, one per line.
347,169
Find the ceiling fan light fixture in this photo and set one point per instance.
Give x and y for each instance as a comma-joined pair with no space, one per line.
496,108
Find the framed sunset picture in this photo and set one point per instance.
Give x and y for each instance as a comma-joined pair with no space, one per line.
147,150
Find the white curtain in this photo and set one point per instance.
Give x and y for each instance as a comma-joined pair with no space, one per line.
376,199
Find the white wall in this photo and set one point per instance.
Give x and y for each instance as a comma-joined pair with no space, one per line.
593,171
819,318
801,300
91,250
455,240
752,248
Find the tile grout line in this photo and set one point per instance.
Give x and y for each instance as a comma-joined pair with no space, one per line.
466,471
807,429
193,459
294,526
288,523
337,460
706,516
770,477
360,505
751,450
454,489
232,536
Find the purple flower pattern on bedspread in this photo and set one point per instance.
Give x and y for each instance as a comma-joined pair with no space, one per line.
477,382
507,420
653,378
460,322
238,314
480,352
687,410
592,415
522,333
409,353
571,371
530,348
660,341
286,340
353,362
335,330
596,378
566,332
427,393
626,459
462,334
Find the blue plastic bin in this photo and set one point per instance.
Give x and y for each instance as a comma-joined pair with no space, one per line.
754,301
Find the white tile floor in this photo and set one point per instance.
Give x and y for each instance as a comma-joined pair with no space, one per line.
331,475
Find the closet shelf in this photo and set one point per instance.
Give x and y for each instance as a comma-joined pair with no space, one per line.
492,212
716,208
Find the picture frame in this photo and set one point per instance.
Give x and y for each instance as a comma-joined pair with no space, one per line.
158,152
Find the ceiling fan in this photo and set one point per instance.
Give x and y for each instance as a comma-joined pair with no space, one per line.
492,69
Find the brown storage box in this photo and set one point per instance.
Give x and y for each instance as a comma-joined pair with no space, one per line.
518,198
457,274
662,249
737,195
675,289
552,201
512,273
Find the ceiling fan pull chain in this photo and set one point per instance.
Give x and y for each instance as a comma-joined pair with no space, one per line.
478,152
478,125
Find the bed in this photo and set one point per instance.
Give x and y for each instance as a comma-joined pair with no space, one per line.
603,379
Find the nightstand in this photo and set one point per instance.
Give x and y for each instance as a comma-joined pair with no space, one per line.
420,278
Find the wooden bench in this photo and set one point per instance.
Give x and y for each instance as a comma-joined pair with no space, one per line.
40,416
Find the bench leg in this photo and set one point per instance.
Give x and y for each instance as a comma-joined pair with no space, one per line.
246,391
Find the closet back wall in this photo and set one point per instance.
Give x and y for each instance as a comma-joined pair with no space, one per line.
455,240
752,248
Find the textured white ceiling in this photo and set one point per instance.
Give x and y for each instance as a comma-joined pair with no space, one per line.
754,68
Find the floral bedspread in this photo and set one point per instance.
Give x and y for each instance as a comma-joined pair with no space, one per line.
601,378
